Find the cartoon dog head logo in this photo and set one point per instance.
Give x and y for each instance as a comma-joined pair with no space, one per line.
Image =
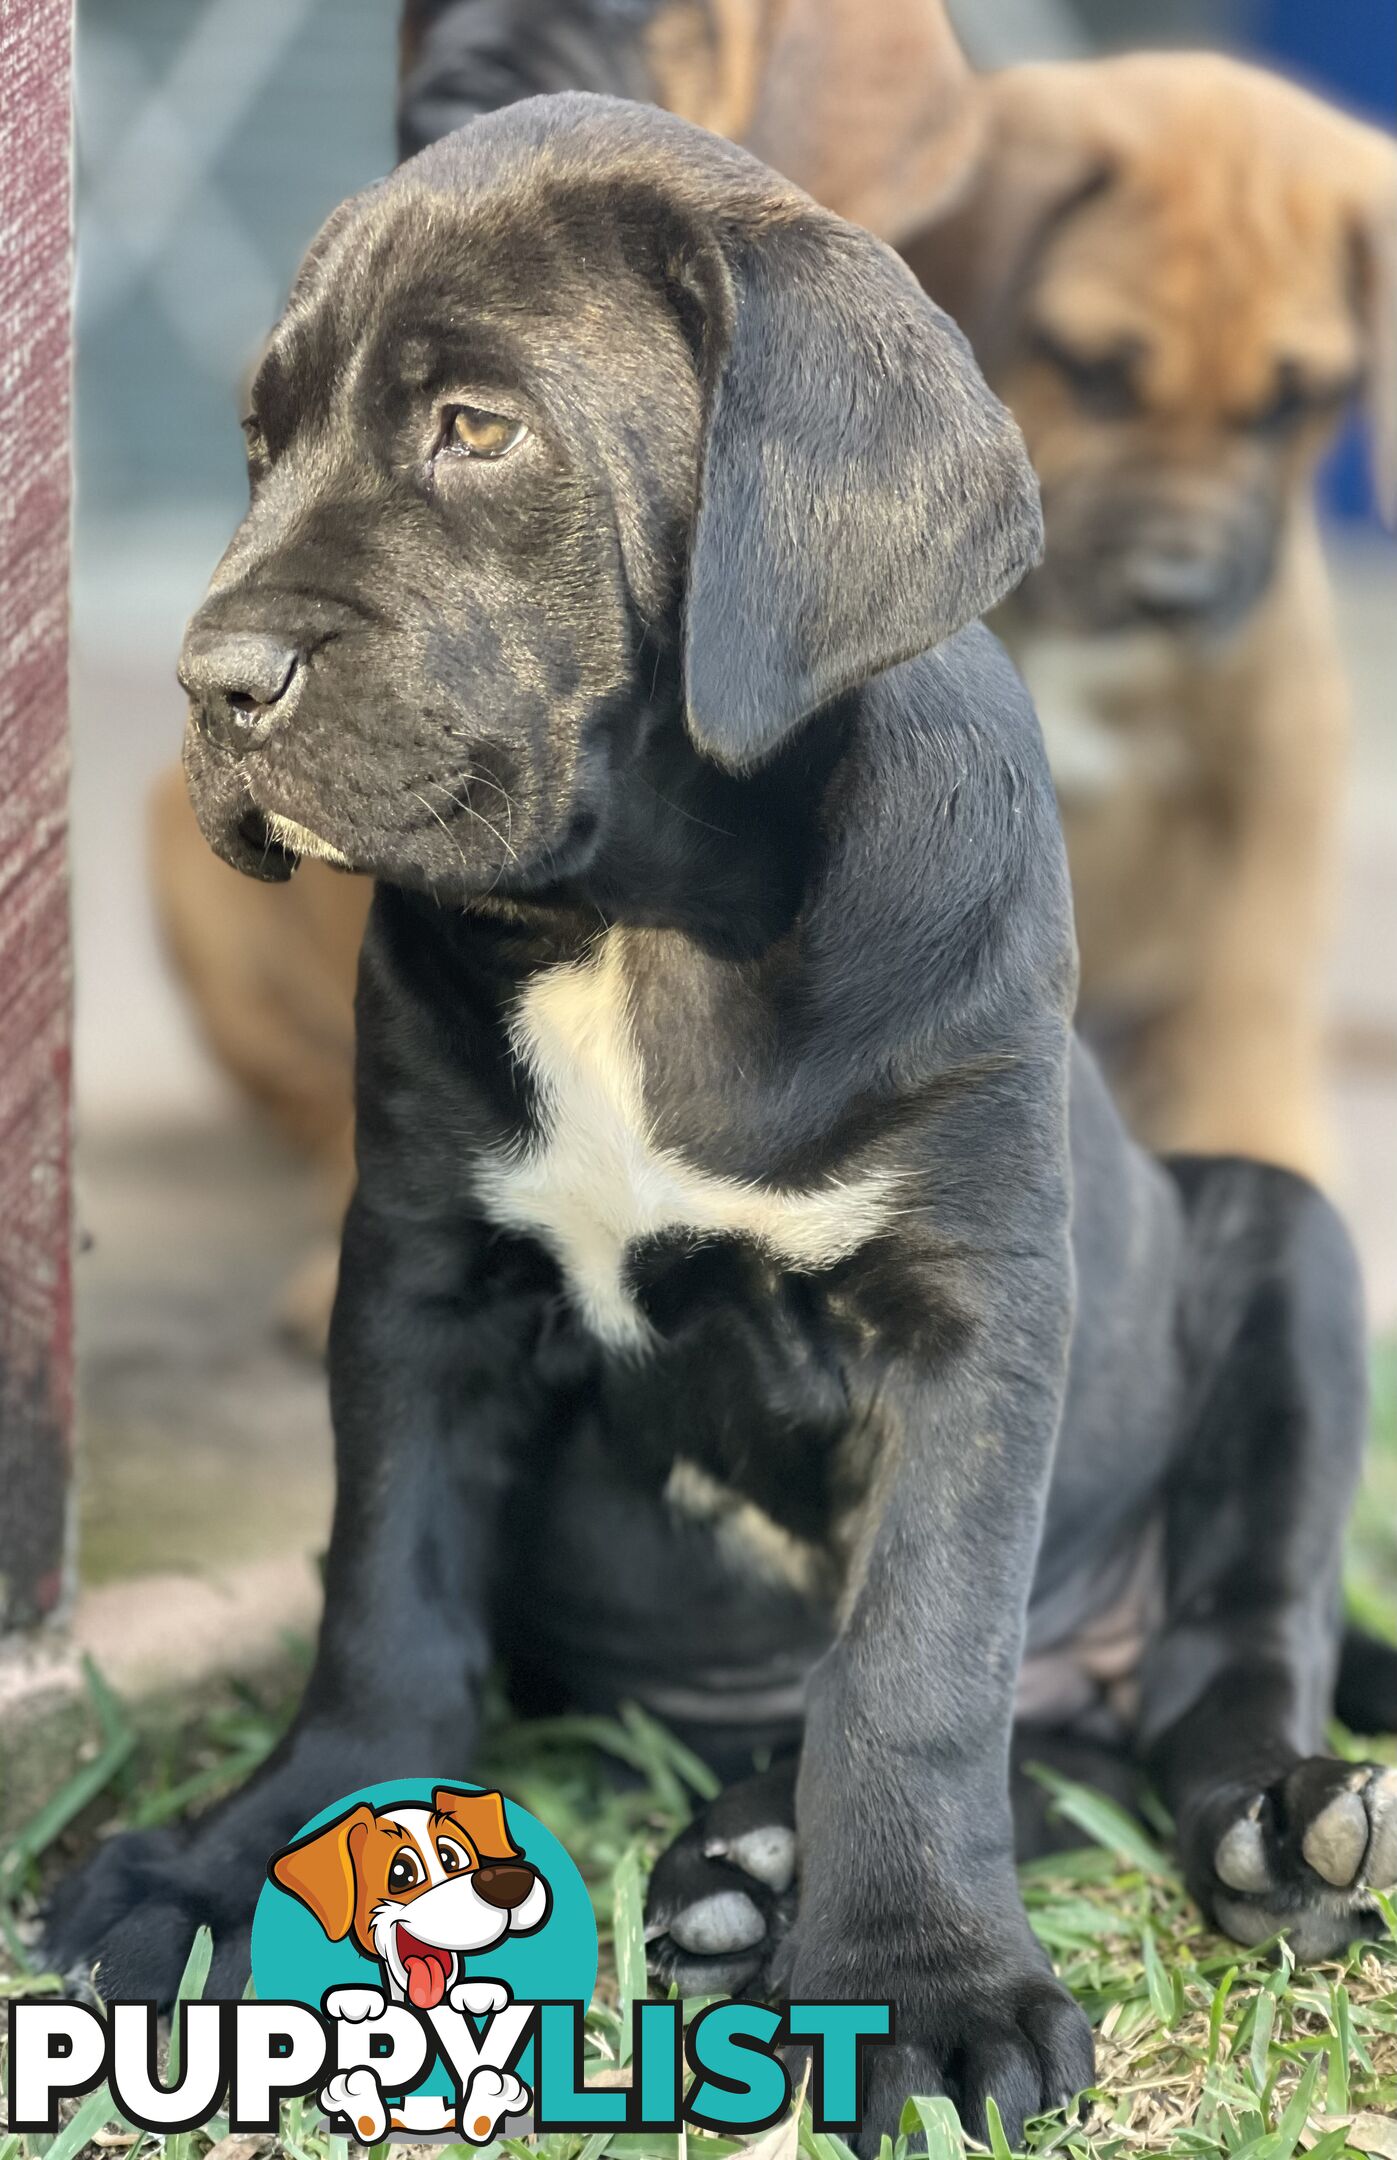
418,1888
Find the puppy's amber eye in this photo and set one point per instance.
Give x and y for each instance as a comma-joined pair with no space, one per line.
451,1856
485,434
406,1871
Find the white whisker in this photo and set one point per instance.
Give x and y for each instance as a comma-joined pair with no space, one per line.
469,810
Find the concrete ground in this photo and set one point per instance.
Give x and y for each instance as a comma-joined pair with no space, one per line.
204,1439
205,1452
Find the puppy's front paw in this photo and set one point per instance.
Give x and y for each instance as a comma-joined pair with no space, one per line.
124,1923
355,2097
984,2032
723,1895
355,2004
131,1914
1301,1858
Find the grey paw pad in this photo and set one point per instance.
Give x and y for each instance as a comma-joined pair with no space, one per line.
1316,1934
1240,1858
718,1925
1337,1839
768,1853
1380,1866
1247,1924
1313,1933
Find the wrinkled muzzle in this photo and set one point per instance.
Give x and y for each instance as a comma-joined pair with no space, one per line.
1191,559
227,816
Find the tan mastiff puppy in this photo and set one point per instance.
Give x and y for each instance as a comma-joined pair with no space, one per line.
1179,271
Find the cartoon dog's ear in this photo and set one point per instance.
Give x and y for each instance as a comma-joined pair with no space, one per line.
481,1816
320,1870
862,494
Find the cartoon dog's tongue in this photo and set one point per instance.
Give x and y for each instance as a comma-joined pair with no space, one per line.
428,1969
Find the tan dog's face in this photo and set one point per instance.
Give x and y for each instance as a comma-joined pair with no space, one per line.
1192,264
420,1889
1176,388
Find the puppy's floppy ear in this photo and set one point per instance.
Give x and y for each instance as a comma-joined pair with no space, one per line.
481,1816
880,128
862,494
320,1870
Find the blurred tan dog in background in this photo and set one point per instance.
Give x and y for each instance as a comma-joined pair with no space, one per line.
1178,271
865,104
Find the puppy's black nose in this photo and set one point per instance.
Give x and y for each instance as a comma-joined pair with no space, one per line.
240,683
1174,585
504,1886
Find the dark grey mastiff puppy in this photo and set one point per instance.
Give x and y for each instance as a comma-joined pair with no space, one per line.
751,1305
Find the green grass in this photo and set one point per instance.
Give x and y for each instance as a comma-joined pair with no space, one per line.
1202,2049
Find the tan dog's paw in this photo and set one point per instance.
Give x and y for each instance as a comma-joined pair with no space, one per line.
303,1318
357,2097
1302,1859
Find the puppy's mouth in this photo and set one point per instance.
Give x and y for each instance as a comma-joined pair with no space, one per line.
281,838
429,1969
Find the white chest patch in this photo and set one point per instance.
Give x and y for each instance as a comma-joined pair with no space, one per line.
594,1181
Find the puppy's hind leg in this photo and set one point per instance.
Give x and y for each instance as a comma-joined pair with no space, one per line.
1366,1696
723,1895
1275,1835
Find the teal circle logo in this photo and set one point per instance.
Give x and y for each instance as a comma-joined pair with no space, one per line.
423,1892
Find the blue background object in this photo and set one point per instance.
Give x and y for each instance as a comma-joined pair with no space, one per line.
1346,51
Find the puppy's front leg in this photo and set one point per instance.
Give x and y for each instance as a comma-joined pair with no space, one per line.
432,1397
908,1891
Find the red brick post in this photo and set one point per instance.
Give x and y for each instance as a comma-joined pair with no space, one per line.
36,1382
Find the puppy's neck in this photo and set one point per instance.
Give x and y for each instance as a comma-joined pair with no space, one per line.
721,858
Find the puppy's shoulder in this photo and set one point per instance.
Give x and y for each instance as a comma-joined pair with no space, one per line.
950,859
966,705
974,668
